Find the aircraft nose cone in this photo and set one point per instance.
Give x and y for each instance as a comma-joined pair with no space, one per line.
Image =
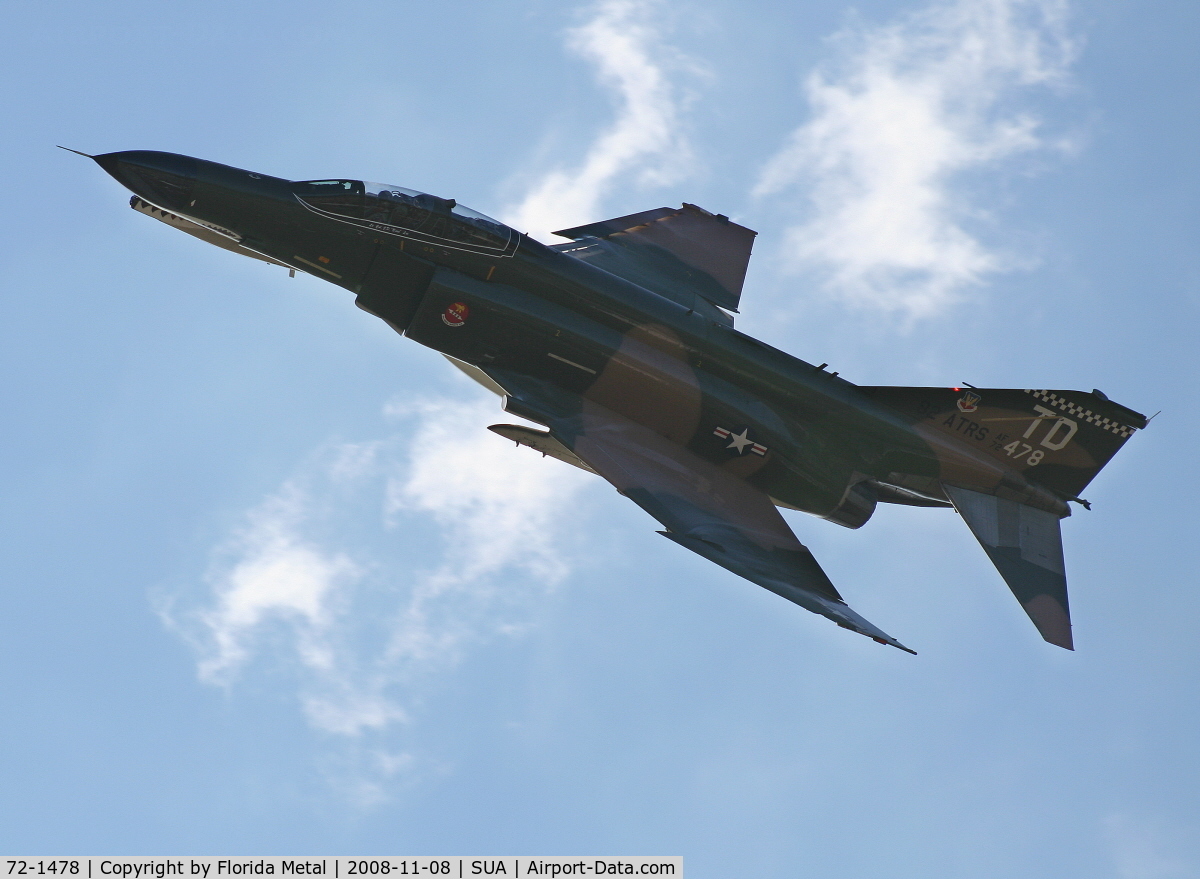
164,179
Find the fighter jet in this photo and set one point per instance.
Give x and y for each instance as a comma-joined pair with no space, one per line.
621,344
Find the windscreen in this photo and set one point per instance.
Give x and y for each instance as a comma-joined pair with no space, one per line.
407,213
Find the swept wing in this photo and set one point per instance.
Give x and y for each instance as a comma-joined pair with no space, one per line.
703,508
680,253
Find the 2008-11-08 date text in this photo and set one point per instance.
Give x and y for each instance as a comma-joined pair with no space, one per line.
402,868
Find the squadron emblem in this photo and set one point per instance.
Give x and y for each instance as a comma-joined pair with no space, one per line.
969,402
456,315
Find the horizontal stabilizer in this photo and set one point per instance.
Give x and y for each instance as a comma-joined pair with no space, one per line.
1025,545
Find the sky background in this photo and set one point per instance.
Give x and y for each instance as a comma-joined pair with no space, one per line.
269,587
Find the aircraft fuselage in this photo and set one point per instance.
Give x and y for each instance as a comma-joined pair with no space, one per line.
621,343
805,436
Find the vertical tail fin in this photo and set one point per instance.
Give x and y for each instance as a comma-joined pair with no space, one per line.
1025,545
1058,439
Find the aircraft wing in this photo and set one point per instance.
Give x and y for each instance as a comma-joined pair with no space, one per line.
679,253
702,507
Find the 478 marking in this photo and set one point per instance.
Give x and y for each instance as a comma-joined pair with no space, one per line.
1016,449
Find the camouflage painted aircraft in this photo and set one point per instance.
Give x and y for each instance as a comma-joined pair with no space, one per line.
621,344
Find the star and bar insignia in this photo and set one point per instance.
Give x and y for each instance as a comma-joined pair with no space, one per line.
740,442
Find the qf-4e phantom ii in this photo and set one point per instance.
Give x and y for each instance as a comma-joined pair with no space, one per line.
621,344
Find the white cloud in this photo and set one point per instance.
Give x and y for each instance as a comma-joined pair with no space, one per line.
276,575
467,482
362,632
1141,849
361,636
644,143
495,513
911,107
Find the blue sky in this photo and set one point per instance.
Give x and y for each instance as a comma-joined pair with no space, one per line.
269,586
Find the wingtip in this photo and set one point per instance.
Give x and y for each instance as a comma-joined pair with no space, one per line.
894,643
1066,643
878,636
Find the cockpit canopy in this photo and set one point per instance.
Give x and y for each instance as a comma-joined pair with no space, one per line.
406,213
